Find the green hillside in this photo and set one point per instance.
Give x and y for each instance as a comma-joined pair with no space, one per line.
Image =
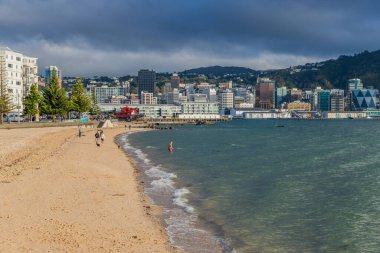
332,73
328,74
218,71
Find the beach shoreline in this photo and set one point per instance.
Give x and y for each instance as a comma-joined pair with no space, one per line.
62,193
185,229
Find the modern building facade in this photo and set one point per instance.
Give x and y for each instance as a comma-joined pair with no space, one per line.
173,97
159,111
146,81
200,108
104,94
175,81
324,101
49,73
147,98
265,94
225,99
281,96
337,100
364,99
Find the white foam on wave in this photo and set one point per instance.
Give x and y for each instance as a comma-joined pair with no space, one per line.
179,199
161,184
157,172
162,181
142,156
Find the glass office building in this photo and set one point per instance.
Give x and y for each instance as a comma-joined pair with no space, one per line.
363,99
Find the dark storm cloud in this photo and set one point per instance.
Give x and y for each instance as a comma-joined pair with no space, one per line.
209,29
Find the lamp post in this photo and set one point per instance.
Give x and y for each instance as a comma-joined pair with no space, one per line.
18,107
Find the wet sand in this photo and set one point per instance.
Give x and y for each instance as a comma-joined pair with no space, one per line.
62,193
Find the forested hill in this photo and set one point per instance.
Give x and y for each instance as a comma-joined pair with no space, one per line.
218,71
328,74
332,73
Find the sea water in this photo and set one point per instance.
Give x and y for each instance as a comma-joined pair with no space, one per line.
251,186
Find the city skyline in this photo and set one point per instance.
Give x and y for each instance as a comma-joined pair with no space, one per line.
120,37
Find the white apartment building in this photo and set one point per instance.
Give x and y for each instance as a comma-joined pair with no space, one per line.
173,97
194,110
147,98
158,111
30,73
226,99
19,72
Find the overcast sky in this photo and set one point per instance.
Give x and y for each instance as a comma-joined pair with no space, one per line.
119,37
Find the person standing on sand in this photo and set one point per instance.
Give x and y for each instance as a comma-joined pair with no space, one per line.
102,136
80,131
97,138
129,127
125,126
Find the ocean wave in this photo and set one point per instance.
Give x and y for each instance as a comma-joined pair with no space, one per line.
179,199
157,172
142,156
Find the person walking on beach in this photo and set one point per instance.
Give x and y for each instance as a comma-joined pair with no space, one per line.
80,131
102,136
125,126
97,138
129,127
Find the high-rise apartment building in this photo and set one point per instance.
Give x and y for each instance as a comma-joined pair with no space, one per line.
173,97
211,95
314,98
146,81
30,73
226,99
18,72
147,98
337,100
265,93
175,81
281,96
49,73
324,101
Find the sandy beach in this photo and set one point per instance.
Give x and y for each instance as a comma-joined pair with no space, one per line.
62,193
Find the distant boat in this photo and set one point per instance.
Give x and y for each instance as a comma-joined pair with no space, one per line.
280,126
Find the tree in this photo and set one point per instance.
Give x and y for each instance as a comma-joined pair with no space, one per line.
54,99
32,102
95,110
80,101
6,104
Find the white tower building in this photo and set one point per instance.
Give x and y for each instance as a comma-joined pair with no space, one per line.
20,72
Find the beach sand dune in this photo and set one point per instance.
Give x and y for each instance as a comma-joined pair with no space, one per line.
62,193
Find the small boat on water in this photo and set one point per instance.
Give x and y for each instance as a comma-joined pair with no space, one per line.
280,126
